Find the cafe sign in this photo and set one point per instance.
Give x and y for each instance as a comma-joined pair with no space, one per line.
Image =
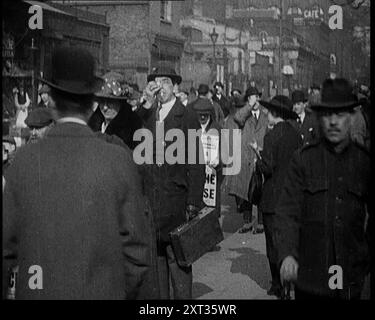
8,46
314,13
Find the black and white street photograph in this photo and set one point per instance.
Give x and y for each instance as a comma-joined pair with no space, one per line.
195,150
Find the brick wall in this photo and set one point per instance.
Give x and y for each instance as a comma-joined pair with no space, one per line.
129,35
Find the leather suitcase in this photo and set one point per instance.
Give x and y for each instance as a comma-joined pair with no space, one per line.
193,239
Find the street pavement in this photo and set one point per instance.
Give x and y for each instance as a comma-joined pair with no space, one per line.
240,269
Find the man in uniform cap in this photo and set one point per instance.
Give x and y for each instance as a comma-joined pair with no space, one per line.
77,212
39,122
321,214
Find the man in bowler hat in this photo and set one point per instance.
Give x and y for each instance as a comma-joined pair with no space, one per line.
76,216
322,237
306,122
175,191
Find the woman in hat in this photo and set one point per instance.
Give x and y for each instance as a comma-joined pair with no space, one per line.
22,103
114,115
279,146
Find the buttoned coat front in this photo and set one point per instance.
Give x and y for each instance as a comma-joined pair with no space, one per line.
320,217
170,187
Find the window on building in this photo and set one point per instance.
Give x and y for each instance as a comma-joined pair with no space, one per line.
166,11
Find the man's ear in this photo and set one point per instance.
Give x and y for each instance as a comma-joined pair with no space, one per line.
175,88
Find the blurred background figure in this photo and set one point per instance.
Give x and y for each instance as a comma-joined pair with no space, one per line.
22,103
44,93
184,97
39,122
220,98
193,94
306,123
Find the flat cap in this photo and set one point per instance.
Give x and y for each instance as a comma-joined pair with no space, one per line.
39,118
203,106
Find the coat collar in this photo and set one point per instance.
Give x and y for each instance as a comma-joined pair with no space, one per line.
70,129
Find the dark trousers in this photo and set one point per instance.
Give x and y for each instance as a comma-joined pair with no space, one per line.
269,231
171,275
245,208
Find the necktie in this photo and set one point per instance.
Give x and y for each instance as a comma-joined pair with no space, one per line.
255,116
299,121
157,116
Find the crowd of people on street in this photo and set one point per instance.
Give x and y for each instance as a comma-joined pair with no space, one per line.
98,224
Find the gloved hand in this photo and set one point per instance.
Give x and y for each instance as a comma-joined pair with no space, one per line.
191,212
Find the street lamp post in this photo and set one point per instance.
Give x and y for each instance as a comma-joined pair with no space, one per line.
214,35
34,98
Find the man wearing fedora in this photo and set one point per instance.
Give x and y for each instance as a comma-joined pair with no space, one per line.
306,122
254,130
76,222
279,145
175,191
322,237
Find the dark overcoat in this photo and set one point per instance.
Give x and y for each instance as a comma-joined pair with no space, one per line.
223,103
123,125
279,146
73,206
170,187
320,217
251,130
309,128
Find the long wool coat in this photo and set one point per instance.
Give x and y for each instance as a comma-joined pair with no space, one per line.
251,129
73,206
170,187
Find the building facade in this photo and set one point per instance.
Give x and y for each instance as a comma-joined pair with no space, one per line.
142,33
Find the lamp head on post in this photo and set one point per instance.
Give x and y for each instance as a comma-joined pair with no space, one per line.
214,35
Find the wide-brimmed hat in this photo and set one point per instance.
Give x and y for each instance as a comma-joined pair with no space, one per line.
73,71
203,106
336,94
298,96
113,87
282,105
164,69
39,118
252,91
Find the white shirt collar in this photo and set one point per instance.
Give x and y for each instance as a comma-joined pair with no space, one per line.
204,126
165,108
302,116
72,119
256,112
104,126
